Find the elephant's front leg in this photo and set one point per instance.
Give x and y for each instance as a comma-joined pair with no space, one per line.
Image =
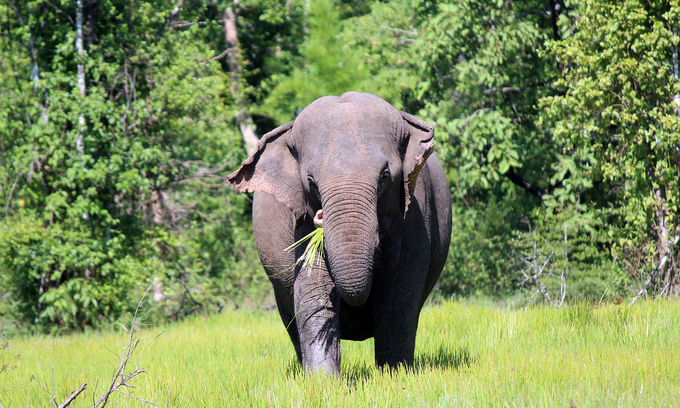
317,306
397,302
396,323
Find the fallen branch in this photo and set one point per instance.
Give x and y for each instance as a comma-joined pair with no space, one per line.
119,378
73,396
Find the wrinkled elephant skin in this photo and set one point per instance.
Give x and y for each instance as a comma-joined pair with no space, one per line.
363,170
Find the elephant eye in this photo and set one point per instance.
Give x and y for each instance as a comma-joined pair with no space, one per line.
312,187
386,173
385,178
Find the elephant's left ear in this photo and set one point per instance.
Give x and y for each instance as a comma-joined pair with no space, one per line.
419,144
272,169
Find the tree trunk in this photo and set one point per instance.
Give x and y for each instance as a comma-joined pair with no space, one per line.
34,62
554,16
81,71
234,62
31,46
89,36
666,272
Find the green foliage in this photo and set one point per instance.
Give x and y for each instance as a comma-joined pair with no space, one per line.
565,118
617,122
386,38
481,79
330,67
96,211
471,269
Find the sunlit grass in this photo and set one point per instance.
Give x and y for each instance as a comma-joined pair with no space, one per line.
467,354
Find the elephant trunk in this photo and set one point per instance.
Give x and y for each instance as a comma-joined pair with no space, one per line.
351,238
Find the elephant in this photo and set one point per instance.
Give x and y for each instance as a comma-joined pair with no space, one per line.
363,170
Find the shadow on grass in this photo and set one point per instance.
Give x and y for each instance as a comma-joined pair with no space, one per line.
294,369
444,358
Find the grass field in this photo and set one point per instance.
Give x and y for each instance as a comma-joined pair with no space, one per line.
468,354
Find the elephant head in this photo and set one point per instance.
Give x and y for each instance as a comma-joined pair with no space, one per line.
356,158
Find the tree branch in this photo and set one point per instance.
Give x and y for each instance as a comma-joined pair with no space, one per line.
59,11
11,192
128,351
539,192
506,89
16,11
169,19
243,118
554,16
225,52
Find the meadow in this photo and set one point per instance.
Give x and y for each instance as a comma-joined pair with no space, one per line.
468,354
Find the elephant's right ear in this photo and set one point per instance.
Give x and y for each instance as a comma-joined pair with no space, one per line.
272,169
419,146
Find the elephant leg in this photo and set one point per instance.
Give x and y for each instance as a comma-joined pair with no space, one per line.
274,231
396,307
395,333
317,314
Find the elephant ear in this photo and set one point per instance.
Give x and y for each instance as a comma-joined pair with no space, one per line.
419,141
272,169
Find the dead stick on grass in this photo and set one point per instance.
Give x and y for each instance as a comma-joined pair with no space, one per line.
54,342
128,351
73,396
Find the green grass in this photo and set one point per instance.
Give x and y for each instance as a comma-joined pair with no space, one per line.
467,354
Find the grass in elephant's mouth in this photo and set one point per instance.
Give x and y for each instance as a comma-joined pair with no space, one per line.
313,252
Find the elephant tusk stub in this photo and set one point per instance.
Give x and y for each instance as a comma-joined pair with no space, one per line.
318,219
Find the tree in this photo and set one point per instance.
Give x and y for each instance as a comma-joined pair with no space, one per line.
481,79
107,184
330,67
617,119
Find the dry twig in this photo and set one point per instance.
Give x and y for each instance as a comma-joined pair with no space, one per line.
119,378
73,396
537,266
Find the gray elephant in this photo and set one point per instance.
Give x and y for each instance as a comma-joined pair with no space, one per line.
363,170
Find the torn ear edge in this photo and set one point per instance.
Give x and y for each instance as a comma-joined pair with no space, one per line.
272,169
419,147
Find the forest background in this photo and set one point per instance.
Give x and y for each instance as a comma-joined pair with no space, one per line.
557,125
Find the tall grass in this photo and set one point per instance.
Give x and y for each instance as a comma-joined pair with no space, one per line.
467,354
